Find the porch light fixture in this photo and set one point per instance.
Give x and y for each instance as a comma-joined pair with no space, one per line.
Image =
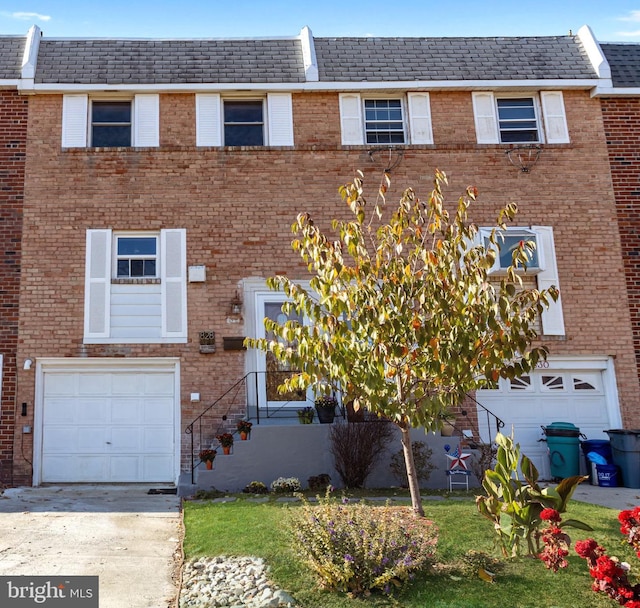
236,305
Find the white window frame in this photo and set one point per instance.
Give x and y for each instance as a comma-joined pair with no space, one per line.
277,118
416,118
537,117
256,100
403,119
515,231
91,122
77,119
550,117
157,257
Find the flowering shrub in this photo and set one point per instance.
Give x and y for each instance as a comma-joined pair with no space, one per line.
556,542
244,426
630,527
256,487
359,548
226,440
286,485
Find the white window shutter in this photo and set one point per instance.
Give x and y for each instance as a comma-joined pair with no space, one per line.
208,119
555,120
74,121
552,318
97,295
420,118
173,278
484,114
147,120
351,119
280,117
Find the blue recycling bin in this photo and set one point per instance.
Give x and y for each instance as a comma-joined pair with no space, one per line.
599,446
563,441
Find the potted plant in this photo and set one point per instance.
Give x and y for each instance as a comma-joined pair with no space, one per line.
326,408
226,441
305,415
208,456
244,428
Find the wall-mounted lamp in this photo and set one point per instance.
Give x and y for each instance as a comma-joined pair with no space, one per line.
236,305
28,363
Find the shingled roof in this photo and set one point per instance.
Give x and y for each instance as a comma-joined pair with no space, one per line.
11,52
169,61
624,61
384,59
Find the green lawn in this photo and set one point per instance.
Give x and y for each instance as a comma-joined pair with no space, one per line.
245,528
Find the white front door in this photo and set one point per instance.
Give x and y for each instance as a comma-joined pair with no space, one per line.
108,425
271,373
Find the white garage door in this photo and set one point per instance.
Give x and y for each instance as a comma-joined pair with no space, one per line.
545,396
115,426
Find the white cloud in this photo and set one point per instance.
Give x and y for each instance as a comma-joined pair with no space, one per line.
632,16
629,34
26,16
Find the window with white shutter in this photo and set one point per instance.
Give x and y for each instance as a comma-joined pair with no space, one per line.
135,287
520,118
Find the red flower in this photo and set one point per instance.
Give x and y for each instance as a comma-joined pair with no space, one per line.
586,548
550,515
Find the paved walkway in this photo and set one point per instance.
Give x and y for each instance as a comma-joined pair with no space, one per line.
615,498
120,533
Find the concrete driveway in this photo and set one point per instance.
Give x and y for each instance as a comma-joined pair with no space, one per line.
120,533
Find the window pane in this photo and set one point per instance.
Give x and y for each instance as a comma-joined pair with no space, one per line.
509,245
518,137
243,135
136,246
383,121
510,113
149,268
243,111
109,137
111,111
137,268
123,268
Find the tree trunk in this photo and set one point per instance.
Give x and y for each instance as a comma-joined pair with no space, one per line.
412,476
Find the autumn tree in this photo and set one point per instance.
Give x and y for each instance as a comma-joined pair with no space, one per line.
403,316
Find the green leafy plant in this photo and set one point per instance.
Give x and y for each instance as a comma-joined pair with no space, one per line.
514,506
421,459
286,485
473,562
359,548
256,487
306,414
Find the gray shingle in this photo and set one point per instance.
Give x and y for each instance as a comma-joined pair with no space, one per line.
624,60
177,61
389,59
11,52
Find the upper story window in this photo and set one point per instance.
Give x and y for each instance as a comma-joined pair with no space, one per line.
243,122
136,257
100,122
237,121
508,242
110,123
385,121
520,119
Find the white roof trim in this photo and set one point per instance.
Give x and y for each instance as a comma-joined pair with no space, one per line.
430,85
595,54
616,91
30,56
309,55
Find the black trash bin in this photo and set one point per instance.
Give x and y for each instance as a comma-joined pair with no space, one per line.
625,445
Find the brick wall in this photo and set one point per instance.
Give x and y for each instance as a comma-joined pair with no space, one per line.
238,205
622,131
13,131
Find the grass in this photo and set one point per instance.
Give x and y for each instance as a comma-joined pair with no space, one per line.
249,528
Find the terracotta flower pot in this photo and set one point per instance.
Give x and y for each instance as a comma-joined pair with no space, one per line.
244,435
209,464
226,450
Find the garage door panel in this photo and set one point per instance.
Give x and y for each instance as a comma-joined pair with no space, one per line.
92,384
159,384
108,427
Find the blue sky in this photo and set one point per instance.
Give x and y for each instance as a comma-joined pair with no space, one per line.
611,20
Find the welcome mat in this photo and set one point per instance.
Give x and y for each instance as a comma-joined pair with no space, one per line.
163,491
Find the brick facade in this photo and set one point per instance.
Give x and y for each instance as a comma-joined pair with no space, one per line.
13,132
237,206
622,130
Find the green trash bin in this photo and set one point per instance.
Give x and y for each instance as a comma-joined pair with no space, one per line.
625,445
563,441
